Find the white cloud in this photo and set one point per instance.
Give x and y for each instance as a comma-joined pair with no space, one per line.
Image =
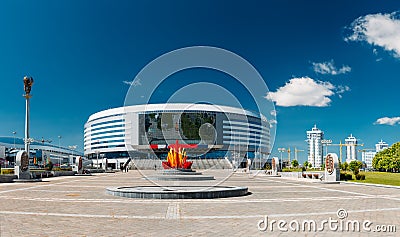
381,30
341,89
388,121
133,83
305,91
330,68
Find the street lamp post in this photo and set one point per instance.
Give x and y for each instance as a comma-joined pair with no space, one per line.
102,160
14,138
326,143
97,165
28,82
15,157
281,150
72,148
59,147
234,150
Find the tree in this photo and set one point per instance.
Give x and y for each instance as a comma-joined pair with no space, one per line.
305,164
344,166
295,163
355,166
388,159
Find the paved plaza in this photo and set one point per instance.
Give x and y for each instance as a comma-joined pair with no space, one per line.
79,206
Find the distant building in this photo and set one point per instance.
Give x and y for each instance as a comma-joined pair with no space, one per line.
314,138
351,151
40,153
368,156
381,146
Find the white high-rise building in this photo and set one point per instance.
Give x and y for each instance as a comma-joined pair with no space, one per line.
368,156
314,138
351,151
381,146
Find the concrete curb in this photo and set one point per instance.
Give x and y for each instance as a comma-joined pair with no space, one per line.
7,178
173,192
370,184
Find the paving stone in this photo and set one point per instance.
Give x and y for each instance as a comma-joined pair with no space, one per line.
80,206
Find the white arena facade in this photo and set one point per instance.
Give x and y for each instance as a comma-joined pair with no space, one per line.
218,136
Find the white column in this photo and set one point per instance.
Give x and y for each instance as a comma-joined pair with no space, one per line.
27,148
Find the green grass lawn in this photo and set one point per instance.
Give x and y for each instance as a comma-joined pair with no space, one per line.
291,170
380,178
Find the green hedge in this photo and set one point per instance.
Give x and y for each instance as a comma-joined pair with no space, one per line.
360,176
346,176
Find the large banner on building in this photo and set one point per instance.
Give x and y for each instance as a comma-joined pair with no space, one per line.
45,157
39,155
166,128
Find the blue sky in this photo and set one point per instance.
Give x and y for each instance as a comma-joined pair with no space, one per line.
331,63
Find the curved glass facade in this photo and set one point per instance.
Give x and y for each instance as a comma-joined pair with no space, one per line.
105,132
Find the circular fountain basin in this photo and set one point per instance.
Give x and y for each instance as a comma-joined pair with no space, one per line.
178,192
180,178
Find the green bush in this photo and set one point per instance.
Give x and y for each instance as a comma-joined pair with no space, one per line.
346,176
360,177
349,177
342,176
356,171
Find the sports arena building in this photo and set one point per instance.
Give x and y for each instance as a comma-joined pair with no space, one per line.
145,132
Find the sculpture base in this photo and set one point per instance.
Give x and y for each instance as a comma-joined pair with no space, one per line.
179,175
179,172
186,165
22,174
180,178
